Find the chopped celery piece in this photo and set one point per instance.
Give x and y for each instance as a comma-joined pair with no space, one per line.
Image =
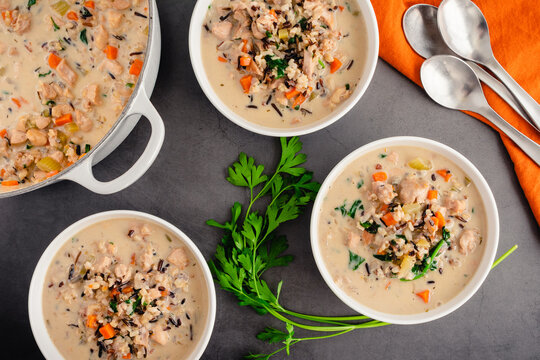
420,164
61,7
71,127
48,164
283,34
412,208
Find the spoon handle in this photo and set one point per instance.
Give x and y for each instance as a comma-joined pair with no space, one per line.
530,106
528,146
498,88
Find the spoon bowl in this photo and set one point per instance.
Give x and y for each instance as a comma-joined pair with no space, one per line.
422,31
453,84
464,29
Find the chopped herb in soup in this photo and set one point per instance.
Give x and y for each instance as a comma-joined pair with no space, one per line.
283,63
407,213
124,289
65,70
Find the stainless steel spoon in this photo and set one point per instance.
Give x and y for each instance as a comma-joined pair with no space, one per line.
465,30
422,33
453,84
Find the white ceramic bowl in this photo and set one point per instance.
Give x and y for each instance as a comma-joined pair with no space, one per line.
372,53
35,296
491,238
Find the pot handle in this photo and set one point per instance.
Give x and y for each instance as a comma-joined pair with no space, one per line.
83,174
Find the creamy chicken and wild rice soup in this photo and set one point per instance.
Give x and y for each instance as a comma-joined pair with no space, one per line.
284,63
123,289
67,69
401,230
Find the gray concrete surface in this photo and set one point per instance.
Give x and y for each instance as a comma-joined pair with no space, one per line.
186,186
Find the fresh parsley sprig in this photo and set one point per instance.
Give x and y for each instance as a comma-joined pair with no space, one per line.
250,246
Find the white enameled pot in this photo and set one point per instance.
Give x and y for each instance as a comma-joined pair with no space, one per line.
138,105
35,295
195,52
491,238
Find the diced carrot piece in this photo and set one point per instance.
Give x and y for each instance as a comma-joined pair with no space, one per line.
379,176
114,292
127,356
292,93
246,83
441,219
244,47
432,194
341,8
111,52
446,174
91,321
435,221
164,293
298,101
90,4
107,331
16,101
51,174
335,65
222,59
2,172
63,120
424,295
387,285
388,219
384,208
273,13
136,67
54,60
72,15
133,259
245,61
127,289
381,252
3,133
10,183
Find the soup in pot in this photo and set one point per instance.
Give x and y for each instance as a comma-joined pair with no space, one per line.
123,289
67,69
401,230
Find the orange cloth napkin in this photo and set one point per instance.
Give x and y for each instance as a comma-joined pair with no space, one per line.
515,38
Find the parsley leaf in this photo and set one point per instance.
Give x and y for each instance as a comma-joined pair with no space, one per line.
355,260
250,244
30,3
279,64
83,37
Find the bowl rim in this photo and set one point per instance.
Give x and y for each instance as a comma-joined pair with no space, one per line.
491,238
35,296
372,53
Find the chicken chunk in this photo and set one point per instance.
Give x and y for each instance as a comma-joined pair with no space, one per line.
353,240
66,73
37,137
456,207
159,336
17,137
102,263
384,192
121,4
101,37
114,19
91,93
468,241
222,30
179,258
46,91
111,66
84,123
123,272
309,64
413,190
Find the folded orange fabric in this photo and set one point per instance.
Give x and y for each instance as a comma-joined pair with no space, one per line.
513,27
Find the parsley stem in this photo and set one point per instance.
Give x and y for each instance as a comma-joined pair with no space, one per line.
369,324
325,318
504,256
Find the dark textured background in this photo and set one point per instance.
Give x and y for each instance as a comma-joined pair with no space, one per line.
186,186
